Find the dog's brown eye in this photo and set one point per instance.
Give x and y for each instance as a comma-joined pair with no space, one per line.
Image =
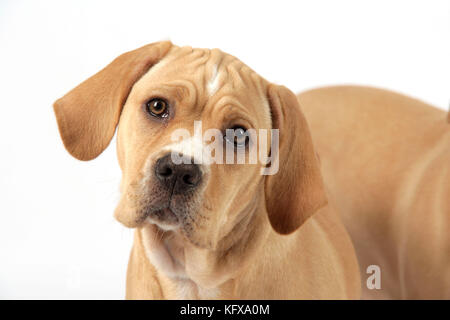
157,107
238,136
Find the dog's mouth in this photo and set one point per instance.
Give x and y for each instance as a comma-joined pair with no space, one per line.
170,211
165,219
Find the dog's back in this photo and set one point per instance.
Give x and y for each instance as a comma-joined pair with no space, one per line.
386,162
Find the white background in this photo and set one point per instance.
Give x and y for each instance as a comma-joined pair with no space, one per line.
58,238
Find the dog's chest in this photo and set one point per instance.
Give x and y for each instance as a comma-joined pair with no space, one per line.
188,290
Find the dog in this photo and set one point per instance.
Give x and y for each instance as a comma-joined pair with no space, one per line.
210,230
386,160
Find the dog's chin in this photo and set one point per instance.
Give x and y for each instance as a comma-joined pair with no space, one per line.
164,219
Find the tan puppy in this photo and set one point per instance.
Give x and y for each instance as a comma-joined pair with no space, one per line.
386,160
219,231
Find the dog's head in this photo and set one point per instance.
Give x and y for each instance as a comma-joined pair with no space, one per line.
163,99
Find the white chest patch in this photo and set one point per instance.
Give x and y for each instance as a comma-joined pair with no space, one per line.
188,290
159,255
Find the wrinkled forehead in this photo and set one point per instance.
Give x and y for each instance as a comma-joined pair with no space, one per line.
207,77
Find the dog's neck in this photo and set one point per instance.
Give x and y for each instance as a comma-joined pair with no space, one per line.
194,273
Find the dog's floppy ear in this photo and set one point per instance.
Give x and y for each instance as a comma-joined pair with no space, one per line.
296,191
88,115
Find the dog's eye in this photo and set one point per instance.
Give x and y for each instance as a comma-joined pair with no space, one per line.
237,136
157,107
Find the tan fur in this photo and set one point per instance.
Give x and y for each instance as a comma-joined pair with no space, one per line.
386,160
230,244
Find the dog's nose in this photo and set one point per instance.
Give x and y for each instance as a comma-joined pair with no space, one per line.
181,177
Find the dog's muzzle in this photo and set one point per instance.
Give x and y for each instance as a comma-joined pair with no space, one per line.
174,190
